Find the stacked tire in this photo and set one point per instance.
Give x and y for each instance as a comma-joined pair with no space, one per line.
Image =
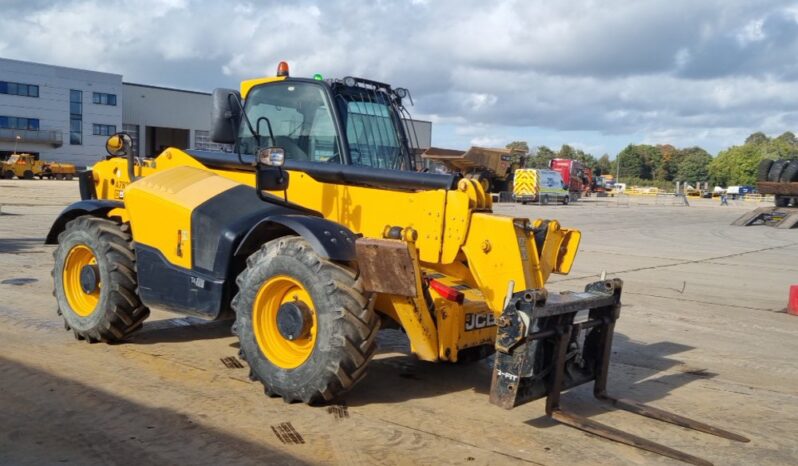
790,173
779,171
784,171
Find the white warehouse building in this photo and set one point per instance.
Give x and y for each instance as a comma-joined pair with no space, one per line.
66,114
62,113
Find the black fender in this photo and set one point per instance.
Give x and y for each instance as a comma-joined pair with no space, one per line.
328,239
95,207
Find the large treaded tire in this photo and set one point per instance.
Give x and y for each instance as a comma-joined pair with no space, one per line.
764,169
774,174
119,311
790,173
346,328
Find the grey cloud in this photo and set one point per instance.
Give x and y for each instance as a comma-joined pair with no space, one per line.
617,66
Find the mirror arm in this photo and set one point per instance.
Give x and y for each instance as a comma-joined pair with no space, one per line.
230,99
268,125
131,163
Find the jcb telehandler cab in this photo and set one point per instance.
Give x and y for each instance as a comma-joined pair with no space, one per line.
315,231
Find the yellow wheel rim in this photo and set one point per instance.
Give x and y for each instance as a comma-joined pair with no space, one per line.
82,303
284,353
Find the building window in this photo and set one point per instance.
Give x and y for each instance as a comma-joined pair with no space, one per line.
133,132
202,141
101,98
9,122
103,130
75,117
25,90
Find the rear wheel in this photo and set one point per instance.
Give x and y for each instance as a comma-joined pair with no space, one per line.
782,201
566,200
304,325
69,176
27,175
9,175
95,281
544,199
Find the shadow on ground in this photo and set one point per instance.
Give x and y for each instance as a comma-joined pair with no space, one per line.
87,425
633,374
180,329
19,245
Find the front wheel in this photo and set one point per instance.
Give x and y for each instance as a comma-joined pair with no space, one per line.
304,325
566,200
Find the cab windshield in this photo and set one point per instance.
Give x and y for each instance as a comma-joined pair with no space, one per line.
297,117
294,116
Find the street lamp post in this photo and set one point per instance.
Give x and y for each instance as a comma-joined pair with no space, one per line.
618,168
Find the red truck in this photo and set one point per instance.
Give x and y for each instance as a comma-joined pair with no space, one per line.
573,175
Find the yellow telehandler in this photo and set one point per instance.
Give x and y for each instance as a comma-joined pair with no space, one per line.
315,232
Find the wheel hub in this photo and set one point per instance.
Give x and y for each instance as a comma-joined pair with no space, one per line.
89,278
293,320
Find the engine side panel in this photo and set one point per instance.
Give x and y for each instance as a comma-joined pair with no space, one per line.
161,207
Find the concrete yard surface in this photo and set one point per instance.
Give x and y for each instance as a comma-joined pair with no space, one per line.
703,332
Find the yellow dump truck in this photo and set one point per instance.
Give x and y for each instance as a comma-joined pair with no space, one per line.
543,186
25,167
491,166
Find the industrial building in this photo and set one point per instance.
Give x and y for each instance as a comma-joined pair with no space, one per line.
57,113
66,114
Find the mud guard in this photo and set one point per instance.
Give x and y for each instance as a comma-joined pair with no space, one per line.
95,207
328,239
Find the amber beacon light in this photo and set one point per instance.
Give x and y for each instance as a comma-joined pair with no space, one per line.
282,69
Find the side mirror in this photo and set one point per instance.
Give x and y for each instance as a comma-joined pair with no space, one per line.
225,116
270,175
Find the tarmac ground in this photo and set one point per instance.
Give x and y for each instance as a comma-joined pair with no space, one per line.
703,332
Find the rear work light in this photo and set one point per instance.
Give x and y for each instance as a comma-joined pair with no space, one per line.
447,292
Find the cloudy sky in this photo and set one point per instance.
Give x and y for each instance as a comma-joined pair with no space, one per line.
595,74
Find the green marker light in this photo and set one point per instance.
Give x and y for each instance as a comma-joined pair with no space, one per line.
318,77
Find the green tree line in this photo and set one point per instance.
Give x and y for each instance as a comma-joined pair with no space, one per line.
662,164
